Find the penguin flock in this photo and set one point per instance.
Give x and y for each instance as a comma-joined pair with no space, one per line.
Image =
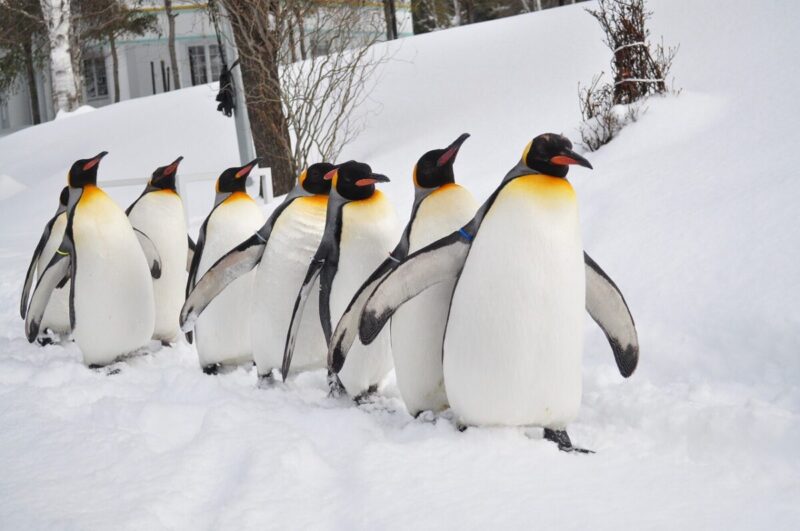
484,302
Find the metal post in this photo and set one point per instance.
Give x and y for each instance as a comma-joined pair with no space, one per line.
247,149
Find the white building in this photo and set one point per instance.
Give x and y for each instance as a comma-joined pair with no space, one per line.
144,65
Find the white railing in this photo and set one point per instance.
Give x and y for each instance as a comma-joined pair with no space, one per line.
263,176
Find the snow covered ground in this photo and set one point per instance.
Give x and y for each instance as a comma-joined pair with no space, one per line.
692,211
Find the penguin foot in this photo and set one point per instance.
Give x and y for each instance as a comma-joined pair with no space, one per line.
335,386
44,341
461,427
165,343
561,438
367,396
266,381
212,369
109,370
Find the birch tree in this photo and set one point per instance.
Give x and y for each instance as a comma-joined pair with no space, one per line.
65,89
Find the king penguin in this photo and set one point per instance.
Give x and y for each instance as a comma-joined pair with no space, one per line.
281,250
514,337
223,331
159,213
417,330
56,315
360,228
110,265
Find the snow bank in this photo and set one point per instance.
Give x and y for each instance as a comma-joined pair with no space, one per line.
83,109
9,187
691,210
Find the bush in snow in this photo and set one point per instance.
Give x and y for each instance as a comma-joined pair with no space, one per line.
639,70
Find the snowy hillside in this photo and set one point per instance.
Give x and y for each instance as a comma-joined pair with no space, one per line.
691,210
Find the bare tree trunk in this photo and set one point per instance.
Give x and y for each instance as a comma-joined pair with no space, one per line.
65,93
112,41
301,29
173,58
292,44
390,14
258,53
33,90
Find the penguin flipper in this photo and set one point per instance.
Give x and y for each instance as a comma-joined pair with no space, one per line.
608,308
26,288
150,253
59,269
314,269
347,329
238,261
190,254
197,255
440,261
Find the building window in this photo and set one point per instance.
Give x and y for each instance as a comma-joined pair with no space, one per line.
216,61
197,64
94,70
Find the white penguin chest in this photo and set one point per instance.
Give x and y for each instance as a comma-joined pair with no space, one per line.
114,308
369,232
514,338
292,244
232,222
161,217
418,326
223,330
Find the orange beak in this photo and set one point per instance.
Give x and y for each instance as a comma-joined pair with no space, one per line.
568,157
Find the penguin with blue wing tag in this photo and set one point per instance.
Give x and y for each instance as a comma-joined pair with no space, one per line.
514,337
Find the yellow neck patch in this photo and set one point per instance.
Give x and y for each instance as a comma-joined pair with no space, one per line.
543,186
314,200
238,196
91,193
445,187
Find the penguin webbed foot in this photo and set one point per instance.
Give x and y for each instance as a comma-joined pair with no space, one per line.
367,396
108,370
212,369
267,381
561,438
335,386
43,341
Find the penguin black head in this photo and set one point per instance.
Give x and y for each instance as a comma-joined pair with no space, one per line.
355,180
84,172
63,199
164,177
435,168
551,154
313,178
235,179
